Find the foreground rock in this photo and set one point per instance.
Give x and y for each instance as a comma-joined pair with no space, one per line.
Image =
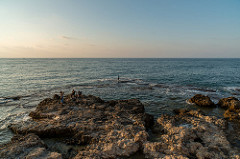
107,129
202,100
97,129
230,102
232,105
29,147
190,135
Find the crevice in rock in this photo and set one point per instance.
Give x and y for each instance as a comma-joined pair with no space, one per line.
58,145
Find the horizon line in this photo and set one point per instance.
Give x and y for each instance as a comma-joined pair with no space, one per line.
119,57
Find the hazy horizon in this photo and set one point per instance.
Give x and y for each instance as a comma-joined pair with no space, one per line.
120,29
119,57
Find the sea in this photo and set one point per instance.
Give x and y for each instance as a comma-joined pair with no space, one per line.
161,84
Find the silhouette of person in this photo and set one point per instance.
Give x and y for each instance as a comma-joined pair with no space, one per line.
61,97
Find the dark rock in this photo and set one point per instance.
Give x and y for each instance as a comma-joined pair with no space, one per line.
131,105
56,97
232,105
112,102
14,98
202,100
149,120
229,103
180,111
232,114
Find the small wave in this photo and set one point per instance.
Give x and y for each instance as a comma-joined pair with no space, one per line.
4,100
142,88
3,127
13,118
231,88
160,85
205,90
105,79
26,117
187,101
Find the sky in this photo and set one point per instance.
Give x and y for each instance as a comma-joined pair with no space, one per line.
119,28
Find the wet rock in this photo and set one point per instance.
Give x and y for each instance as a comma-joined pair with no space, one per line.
229,103
56,97
232,114
232,105
180,111
149,120
28,147
107,129
202,100
190,135
14,98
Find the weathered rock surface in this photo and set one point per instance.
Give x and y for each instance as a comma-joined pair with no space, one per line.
232,114
232,105
229,103
27,147
190,135
97,129
202,100
108,129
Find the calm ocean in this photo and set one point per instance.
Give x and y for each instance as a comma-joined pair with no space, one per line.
161,84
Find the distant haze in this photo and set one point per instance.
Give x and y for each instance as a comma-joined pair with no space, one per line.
119,28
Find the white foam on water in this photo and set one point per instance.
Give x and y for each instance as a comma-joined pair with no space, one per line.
26,117
232,88
13,118
187,101
168,91
153,84
105,79
3,127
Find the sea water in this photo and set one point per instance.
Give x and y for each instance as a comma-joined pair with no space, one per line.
160,84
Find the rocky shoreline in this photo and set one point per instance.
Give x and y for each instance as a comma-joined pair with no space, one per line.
89,127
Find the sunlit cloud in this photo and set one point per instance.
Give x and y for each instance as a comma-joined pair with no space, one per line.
69,38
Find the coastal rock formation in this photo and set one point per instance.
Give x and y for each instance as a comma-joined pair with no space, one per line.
229,103
232,114
89,127
232,105
202,100
107,129
29,147
189,135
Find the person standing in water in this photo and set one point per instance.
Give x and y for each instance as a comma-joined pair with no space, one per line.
73,94
61,97
79,94
118,78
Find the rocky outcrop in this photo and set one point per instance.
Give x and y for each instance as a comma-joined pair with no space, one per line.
232,114
89,127
189,135
29,146
232,106
201,100
107,129
229,103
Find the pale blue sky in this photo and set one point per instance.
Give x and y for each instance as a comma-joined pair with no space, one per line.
120,28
